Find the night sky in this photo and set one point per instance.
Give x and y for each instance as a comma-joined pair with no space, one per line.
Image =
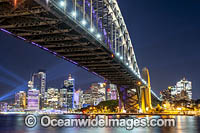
166,39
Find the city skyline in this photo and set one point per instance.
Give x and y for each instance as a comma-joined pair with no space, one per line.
183,60
39,97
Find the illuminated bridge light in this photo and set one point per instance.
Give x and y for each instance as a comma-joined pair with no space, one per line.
45,48
73,62
6,31
83,22
21,38
54,53
36,44
117,54
15,3
139,83
121,57
74,14
95,73
91,30
62,3
98,36
85,68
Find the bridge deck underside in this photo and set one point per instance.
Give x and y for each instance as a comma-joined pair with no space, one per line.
33,23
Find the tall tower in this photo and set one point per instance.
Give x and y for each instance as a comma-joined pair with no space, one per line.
146,92
70,85
39,81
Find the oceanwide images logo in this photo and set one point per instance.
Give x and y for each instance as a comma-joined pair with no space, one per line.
129,123
30,121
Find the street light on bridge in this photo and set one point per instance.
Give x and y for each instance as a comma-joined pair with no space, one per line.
62,3
139,83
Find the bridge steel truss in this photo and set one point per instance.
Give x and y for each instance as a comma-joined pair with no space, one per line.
89,33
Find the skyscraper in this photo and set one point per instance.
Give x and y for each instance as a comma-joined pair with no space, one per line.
70,85
33,99
63,97
184,85
87,98
20,100
76,99
53,97
39,81
95,94
98,93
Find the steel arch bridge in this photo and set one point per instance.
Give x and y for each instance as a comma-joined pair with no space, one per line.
89,33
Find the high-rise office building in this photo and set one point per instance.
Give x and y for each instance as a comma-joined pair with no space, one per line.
76,99
184,85
80,99
53,97
20,100
33,99
98,93
39,81
63,97
95,93
70,85
87,98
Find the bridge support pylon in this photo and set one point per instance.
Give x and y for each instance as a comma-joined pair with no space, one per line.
128,99
145,94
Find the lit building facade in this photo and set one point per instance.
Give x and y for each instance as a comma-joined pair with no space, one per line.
95,93
39,82
70,85
166,94
182,90
3,107
76,99
33,99
112,93
53,97
102,92
63,98
20,100
30,85
87,98
186,86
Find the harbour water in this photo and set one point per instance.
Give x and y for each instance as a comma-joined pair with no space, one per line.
15,124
